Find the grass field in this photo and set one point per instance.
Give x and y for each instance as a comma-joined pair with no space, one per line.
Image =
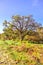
20,53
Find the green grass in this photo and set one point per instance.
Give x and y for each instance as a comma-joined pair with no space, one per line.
21,53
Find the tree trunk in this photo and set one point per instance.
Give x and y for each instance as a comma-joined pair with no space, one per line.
21,37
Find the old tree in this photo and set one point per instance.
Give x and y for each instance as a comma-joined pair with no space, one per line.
20,26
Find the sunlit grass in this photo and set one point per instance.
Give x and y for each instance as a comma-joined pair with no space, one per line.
21,53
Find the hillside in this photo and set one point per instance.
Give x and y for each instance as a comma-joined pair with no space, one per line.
20,53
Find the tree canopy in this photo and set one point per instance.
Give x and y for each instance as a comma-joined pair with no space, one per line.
20,26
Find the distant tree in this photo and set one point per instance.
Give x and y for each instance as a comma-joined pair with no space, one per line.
40,32
21,24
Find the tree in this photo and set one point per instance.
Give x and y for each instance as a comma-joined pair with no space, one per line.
40,32
21,24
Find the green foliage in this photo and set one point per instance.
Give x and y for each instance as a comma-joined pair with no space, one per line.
19,27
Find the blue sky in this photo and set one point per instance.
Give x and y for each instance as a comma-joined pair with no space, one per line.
21,7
